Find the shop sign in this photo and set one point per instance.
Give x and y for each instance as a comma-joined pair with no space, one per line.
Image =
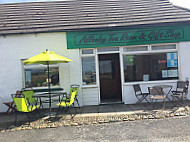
125,37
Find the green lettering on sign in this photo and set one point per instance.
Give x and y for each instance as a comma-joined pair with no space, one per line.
127,37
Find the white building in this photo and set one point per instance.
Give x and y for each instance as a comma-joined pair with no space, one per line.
113,45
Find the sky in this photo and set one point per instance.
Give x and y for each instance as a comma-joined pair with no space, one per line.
182,3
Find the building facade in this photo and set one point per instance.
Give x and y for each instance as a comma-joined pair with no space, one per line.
108,56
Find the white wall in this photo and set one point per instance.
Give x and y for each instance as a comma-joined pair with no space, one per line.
13,48
90,96
184,53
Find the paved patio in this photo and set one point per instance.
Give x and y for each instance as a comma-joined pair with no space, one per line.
96,114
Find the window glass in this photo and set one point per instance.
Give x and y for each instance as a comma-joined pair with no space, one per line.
106,49
87,51
106,69
38,77
132,49
159,66
163,47
88,70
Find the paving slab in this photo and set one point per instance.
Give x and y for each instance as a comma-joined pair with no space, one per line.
89,109
106,108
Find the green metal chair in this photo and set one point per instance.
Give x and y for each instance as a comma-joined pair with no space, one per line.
68,102
29,95
23,106
73,87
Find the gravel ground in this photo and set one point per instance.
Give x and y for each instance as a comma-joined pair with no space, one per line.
63,121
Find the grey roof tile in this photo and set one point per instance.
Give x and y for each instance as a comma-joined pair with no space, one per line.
86,14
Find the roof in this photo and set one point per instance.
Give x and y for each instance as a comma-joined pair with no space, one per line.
69,15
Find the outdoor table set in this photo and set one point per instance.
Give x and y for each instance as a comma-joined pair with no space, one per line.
26,101
50,97
47,58
162,92
159,92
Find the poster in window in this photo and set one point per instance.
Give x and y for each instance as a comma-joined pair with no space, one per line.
164,73
172,60
145,77
130,60
172,73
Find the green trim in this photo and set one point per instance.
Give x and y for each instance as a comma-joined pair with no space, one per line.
126,37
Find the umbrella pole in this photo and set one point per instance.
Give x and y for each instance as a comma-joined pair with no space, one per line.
49,91
49,88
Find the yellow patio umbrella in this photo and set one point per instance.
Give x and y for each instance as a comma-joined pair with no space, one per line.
47,58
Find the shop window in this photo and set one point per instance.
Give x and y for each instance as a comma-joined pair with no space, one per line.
37,76
88,70
149,67
134,49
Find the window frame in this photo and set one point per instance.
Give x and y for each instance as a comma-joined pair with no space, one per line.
149,52
135,52
96,65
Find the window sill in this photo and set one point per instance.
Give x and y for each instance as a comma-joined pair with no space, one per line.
150,82
89,86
